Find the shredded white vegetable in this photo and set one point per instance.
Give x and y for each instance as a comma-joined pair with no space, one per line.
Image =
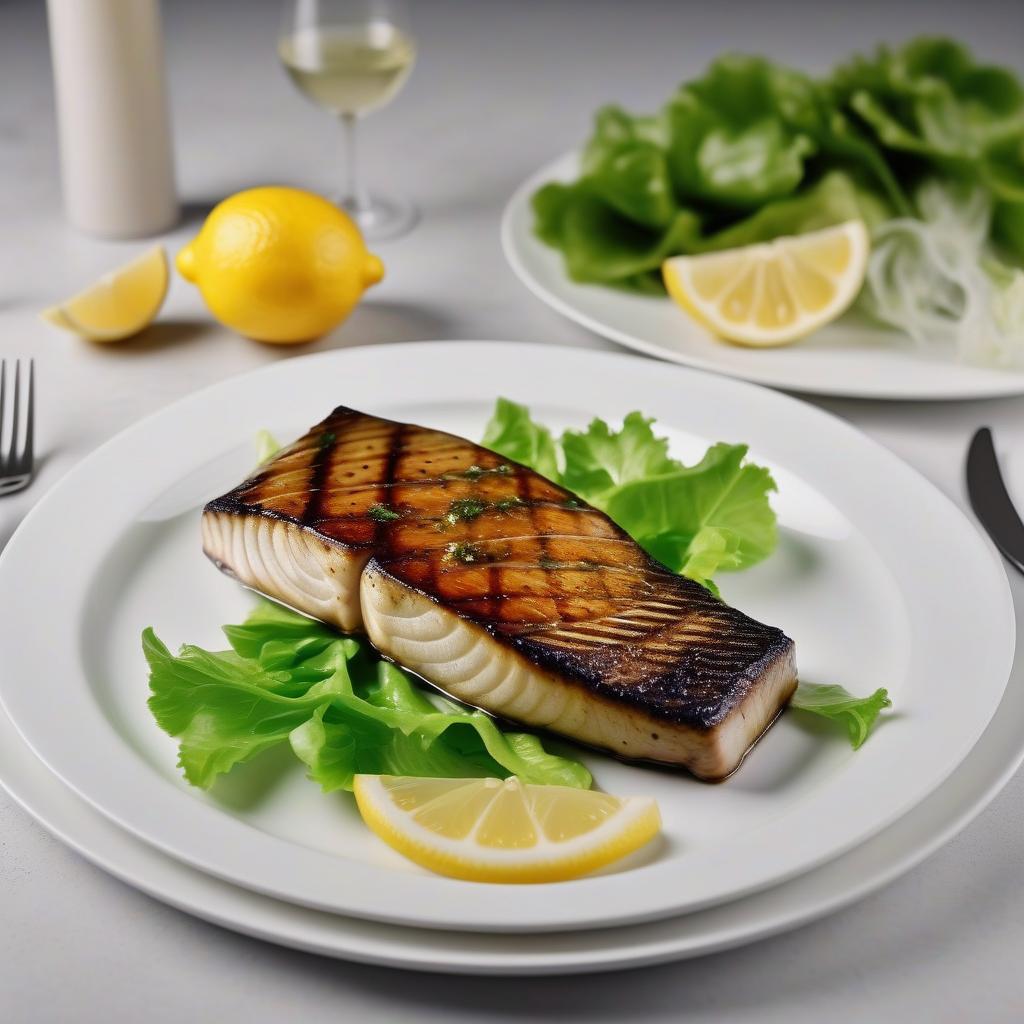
937,280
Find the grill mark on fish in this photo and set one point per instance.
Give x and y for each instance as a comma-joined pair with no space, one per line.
549,581
600,629
498,541
595,571
427,483
396,437
318,474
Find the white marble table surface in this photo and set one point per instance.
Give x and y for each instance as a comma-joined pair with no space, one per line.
500,88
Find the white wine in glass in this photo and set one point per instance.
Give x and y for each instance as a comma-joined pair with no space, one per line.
349,71
351,57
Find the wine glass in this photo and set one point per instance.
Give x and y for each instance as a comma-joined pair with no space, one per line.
351,57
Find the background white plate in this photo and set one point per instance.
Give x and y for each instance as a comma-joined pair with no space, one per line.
857,582
852,357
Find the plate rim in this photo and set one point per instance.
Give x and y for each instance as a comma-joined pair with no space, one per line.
473,921
516,213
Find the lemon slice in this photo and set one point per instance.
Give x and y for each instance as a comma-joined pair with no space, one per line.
119,304
774,292
494,830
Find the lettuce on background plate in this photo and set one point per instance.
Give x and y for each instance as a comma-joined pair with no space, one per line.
931,99
735,137
752,150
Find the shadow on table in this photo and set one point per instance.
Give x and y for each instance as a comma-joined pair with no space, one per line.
373,323
161,334
383,323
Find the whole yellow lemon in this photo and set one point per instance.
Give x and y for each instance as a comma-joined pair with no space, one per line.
279,264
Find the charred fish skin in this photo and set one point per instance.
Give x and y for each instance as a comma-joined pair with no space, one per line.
504,590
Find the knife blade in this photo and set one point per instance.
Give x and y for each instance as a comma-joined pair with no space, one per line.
990,499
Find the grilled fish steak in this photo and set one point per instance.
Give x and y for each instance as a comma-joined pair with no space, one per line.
503,590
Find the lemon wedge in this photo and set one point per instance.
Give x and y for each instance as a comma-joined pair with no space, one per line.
120,303
494,830
774,292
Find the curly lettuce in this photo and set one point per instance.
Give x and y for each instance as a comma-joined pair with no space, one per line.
289,680
697,520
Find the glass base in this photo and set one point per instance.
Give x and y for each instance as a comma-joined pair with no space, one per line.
380,218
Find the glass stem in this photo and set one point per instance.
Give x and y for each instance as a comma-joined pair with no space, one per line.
354,197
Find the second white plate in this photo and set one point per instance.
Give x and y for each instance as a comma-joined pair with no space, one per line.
852,357
869,580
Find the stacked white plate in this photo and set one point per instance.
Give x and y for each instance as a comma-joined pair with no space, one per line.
852,357
806,826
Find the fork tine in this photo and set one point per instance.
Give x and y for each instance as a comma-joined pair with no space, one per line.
12,451
30,417
3,405
16,466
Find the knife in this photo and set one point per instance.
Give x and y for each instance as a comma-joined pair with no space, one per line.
991,501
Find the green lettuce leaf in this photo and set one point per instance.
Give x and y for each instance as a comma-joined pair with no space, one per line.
288,679
626,165
700,519
1002,168
859,714
602,245
697,520
336,748
615,127
224,710
752,150
929,99
513,434
599,459
732,140
835,198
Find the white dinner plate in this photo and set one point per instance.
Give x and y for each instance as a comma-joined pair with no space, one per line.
879,579
850,877
851,357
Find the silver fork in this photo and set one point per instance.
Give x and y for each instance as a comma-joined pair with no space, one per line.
16,465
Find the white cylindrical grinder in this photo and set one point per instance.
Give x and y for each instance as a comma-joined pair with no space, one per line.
117,161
